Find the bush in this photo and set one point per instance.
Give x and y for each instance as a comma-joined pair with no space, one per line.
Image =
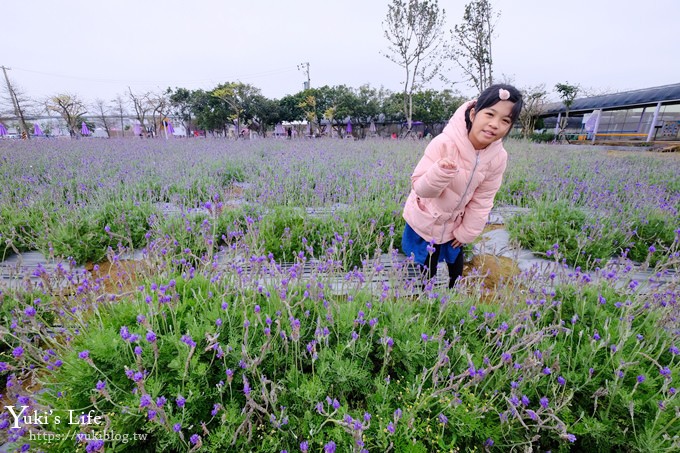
582,241
657,231
86,234
542,137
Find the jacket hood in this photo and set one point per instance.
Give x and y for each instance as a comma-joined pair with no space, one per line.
456,130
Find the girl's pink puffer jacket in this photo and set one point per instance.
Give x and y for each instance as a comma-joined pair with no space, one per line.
446,204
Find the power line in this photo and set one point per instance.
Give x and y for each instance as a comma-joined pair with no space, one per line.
266,73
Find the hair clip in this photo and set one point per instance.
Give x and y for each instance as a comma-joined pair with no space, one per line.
503,94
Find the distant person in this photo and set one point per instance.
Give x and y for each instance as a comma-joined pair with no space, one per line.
454,184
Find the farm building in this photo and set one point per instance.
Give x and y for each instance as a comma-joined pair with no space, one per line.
649,114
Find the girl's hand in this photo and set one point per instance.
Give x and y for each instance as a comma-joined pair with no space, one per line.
447,164
456,243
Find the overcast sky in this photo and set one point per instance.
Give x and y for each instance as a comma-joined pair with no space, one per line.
96,49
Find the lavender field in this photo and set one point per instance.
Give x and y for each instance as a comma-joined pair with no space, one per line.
214,295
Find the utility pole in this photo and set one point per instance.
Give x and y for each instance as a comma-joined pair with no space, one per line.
305,67
17,111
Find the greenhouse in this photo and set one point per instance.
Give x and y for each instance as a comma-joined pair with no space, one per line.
649,114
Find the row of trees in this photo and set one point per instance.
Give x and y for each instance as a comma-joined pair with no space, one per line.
238,105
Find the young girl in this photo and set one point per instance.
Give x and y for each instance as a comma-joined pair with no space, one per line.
454,184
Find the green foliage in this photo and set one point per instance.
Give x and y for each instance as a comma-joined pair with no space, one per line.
542,137
657,231
558,225
86,235
292,369
20,228
518,192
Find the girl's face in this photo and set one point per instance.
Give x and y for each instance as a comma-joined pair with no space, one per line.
490,124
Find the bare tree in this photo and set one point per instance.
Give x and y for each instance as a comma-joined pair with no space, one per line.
159,105
534,100
71,109
141,105
20,104
413,29
119,106
471,48
101,112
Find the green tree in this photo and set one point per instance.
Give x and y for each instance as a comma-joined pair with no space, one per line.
567,93
471,48
413,29
290,107
266,112
211,114
432,106
181,104
238,99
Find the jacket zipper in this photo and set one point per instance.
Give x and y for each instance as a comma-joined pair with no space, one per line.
467,186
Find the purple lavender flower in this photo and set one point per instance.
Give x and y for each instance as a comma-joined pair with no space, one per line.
246,386
145,400
329,447
304,446
194,439
186,339
84,354
29,311
124,333
177,427
180,400
150,336
544,402
443,419
18,352
641,378
101,385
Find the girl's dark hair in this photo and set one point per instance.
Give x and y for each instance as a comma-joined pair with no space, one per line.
490,97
